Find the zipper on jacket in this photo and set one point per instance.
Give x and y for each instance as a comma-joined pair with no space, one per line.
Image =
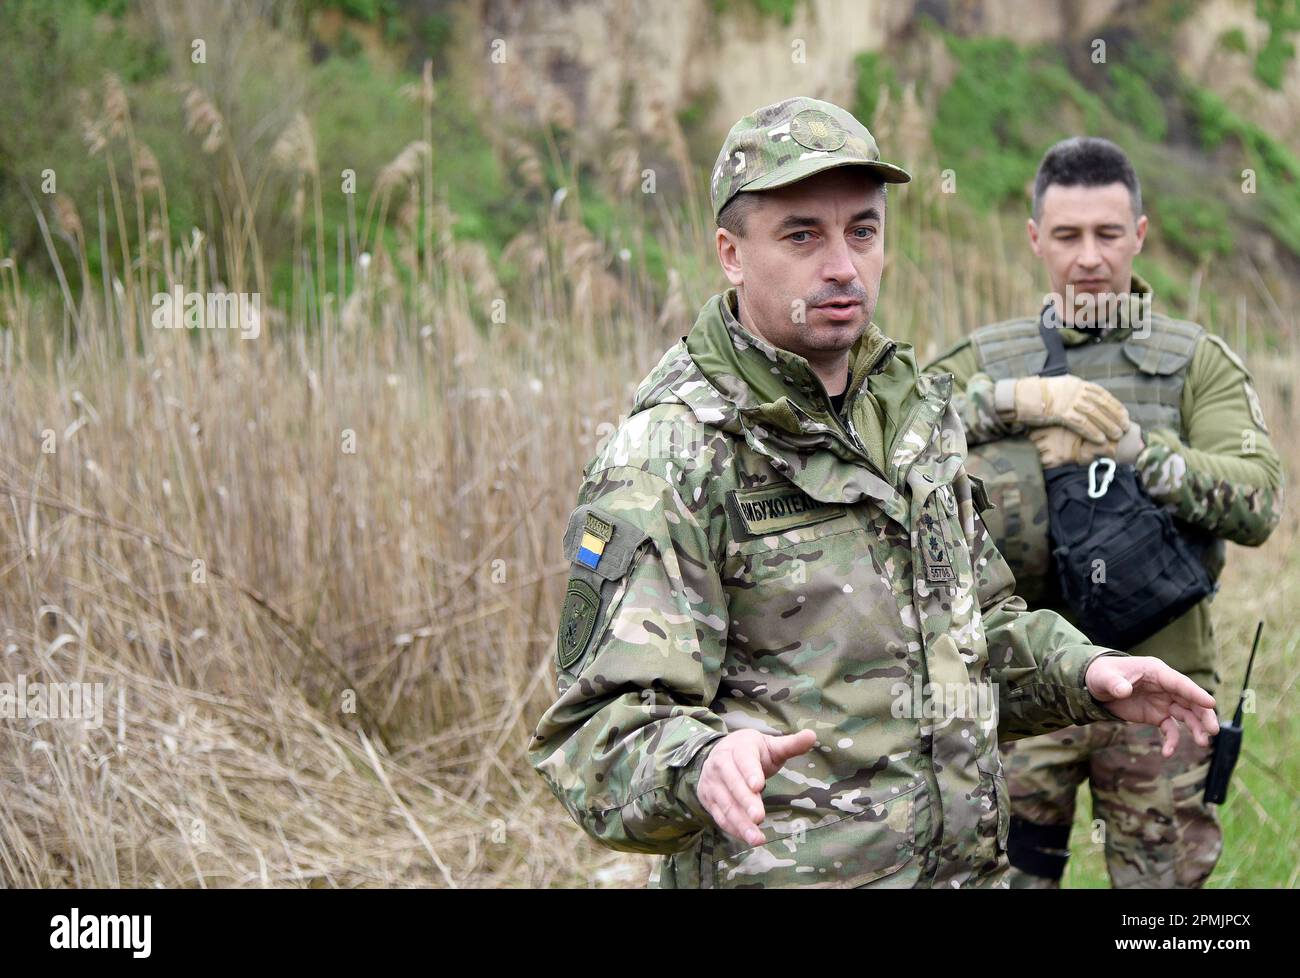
853,433
843,428
845,425
907,426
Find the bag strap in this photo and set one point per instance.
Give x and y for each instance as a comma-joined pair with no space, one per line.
1055,365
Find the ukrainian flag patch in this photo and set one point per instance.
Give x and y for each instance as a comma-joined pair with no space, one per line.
595,535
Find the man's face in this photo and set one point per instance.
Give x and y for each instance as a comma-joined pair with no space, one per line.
808,268
1087,237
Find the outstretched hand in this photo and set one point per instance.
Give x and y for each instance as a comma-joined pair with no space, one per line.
1143,689
734,773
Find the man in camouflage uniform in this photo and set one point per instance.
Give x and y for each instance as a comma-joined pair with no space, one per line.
1181,407
784,622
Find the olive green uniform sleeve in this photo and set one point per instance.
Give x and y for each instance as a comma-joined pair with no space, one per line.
1226,477
972,396
1038,660
623,744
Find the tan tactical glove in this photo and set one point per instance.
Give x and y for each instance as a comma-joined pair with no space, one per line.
1061,446
1080,405
1130,445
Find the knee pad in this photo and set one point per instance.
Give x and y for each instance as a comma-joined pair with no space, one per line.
1040,850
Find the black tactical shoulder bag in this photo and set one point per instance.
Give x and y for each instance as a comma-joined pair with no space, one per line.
1125,568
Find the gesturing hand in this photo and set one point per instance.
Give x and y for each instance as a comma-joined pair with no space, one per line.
734,773
1143,689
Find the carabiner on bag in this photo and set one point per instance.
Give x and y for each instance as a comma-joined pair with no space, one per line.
1095,491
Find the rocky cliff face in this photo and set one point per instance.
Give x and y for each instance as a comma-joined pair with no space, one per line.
1205,59
598,65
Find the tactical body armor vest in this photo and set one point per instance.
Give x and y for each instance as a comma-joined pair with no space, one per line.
1145,371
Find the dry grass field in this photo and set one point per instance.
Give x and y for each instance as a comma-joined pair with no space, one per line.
318,572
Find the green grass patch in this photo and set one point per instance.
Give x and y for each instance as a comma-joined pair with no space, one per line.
781,9
1276,170
1006,105
1233,40
1134,100
1273,57
873,74
1200,227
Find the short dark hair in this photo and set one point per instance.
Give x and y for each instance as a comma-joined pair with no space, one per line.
734,213
1086,161
732,217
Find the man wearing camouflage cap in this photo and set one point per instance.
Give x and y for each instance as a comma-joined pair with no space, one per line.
788,649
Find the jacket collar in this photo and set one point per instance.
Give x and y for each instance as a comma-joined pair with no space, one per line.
1133,310
771,385
740,383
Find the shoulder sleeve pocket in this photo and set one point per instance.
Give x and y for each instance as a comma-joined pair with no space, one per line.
601,542
601,549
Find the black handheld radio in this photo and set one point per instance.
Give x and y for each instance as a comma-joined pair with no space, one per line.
1227,745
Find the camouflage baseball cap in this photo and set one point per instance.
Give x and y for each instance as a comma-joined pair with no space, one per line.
788,141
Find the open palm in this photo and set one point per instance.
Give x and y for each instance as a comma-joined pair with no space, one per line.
1143,689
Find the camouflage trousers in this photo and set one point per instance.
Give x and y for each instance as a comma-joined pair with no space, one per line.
1148,810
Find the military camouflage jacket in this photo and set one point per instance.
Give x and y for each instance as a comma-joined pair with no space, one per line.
1208,455
743,559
